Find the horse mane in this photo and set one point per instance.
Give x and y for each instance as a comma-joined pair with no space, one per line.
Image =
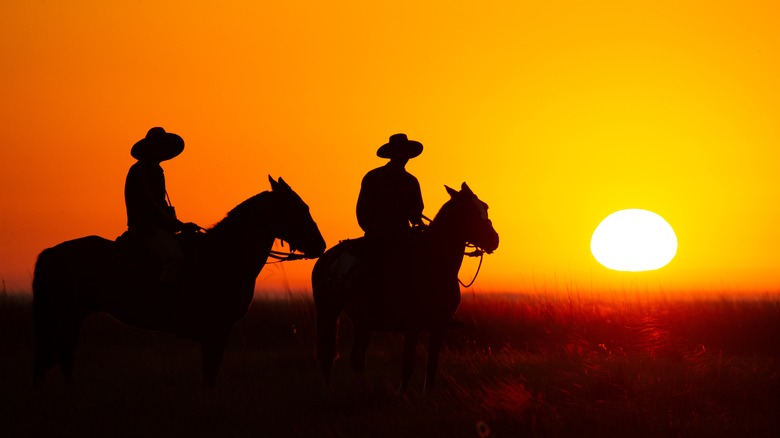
244,211
449,205
452,204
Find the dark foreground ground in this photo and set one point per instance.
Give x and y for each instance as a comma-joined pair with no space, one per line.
522,366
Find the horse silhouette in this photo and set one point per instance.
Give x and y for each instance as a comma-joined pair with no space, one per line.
89,274
413,289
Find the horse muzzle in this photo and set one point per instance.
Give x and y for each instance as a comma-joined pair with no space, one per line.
314,249
490,242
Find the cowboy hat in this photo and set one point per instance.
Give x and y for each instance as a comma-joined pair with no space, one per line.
400,147
158,145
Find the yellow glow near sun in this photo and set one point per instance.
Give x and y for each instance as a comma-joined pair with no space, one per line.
634,240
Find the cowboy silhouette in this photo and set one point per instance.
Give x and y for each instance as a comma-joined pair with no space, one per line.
390,198
390,205
151,219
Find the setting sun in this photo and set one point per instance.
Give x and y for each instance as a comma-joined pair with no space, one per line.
634,240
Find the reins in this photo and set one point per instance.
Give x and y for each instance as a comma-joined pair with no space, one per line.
476,252
284,256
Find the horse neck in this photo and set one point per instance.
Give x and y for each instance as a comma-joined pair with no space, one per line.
446,244
242,241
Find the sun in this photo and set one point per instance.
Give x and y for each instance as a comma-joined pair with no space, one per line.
634,240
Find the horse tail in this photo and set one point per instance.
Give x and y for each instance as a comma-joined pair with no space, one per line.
54,321
45,332
328,306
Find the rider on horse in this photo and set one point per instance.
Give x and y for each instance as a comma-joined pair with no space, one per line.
390,198
151,219
389,210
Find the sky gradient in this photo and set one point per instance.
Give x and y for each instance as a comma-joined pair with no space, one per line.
555,113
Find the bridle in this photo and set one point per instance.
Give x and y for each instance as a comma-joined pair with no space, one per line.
475,252
284,256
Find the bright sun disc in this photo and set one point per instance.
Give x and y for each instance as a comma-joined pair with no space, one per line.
634,240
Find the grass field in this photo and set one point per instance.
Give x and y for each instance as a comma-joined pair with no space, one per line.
521,366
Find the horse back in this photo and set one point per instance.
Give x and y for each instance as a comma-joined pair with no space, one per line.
72,254
59,268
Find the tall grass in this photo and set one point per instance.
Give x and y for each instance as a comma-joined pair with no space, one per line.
523,365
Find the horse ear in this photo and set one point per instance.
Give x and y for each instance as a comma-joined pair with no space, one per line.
282,182
274,184
465,188
453,193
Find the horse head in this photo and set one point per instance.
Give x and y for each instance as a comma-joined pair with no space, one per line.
472,214
294,222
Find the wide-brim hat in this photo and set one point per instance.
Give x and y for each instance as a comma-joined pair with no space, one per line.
157,145
400,146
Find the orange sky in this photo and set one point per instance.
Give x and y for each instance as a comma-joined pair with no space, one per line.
555,113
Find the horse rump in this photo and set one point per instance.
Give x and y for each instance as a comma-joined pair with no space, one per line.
58,307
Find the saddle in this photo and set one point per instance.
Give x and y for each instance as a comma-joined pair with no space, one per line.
368,257
135,259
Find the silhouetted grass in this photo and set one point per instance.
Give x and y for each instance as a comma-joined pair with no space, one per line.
521,366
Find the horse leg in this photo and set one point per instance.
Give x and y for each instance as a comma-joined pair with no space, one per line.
44,350
42,362
56,335
213,349
359,349
434,347
410,347
67,347
45,334
327,334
